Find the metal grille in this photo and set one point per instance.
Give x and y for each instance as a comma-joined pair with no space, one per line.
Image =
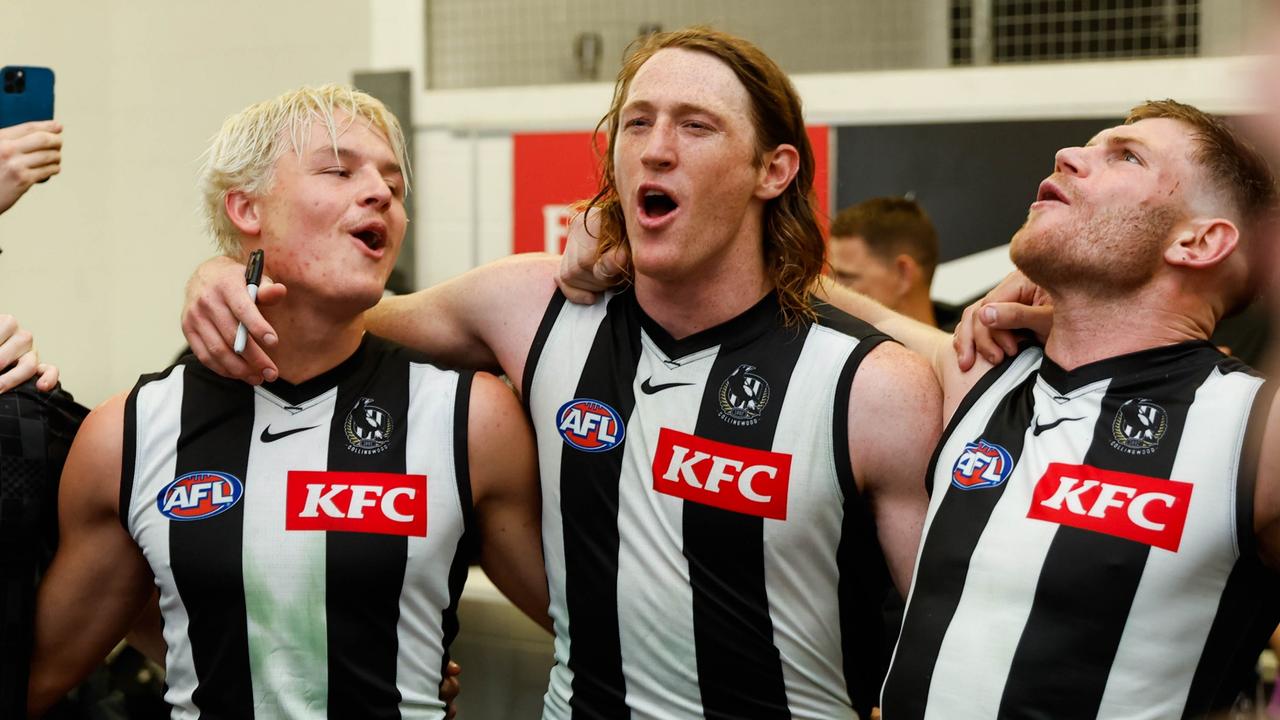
491,43
1014,31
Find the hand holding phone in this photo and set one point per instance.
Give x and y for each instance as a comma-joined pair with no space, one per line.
30,139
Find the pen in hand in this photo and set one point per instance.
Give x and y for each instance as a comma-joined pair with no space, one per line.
252,278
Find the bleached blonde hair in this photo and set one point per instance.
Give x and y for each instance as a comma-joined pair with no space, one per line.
242,156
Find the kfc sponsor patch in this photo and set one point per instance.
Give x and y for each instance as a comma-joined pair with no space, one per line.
364,502
1149,510
730,477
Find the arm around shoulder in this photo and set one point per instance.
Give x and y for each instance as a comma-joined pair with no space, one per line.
99,579
504,483
895,419
484,318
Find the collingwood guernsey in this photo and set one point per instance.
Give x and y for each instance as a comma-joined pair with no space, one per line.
306,540
707,550
1089,548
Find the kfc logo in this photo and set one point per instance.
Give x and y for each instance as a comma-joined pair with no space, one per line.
730,477
366,502
1144,509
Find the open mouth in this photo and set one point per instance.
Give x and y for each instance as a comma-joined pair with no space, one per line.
1050,192
373,235
657,204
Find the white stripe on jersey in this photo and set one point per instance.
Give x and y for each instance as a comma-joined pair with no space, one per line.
652,570
421,637
160,403
799,561
284,572
1182,590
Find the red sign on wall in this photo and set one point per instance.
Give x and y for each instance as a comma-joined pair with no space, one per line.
555,170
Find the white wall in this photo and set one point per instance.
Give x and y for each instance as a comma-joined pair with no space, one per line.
95,260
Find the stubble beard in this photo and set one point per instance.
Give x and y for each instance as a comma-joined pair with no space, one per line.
1111,252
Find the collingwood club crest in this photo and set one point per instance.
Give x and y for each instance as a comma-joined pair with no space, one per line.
743,396
368,428
1138,427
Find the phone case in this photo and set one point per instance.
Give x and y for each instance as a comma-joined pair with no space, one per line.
26,94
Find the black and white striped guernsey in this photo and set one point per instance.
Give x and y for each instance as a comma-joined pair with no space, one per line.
309,541
1089,548
707,551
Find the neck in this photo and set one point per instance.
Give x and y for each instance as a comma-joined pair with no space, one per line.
1087,328
684,306
312,342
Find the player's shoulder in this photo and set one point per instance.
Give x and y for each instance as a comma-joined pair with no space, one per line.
831,317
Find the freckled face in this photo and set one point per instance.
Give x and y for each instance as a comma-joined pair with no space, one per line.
333,222
685,166
1106,214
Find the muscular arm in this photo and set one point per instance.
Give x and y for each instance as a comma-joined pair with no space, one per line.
504,479
926,341
99,580
894,423
1266,506
486,317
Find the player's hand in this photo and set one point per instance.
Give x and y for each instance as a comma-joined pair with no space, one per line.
216,303
987,326
18,349
450,686
584,272
29,153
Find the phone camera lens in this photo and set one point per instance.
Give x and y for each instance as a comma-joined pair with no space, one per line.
19,74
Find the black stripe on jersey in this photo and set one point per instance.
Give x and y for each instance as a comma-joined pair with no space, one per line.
539,342
739,668
217,430
1248,604
129,448
864,577
1089,579
364,572
589,513
944,560
467,542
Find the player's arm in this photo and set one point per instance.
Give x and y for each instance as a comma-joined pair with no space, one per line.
1266,506
894,423
484,318
926,341
504,479
99,580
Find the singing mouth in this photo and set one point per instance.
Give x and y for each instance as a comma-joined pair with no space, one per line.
1050,192
656,203
373,235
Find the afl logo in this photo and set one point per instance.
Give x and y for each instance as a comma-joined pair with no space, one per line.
982,465
199,495
368,428
590,425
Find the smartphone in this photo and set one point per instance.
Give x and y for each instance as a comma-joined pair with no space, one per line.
26,94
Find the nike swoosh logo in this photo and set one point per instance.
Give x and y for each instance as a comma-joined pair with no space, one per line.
1041,428
268,436
650,389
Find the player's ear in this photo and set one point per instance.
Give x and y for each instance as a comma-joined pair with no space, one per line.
243,211
1203,243
777,169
